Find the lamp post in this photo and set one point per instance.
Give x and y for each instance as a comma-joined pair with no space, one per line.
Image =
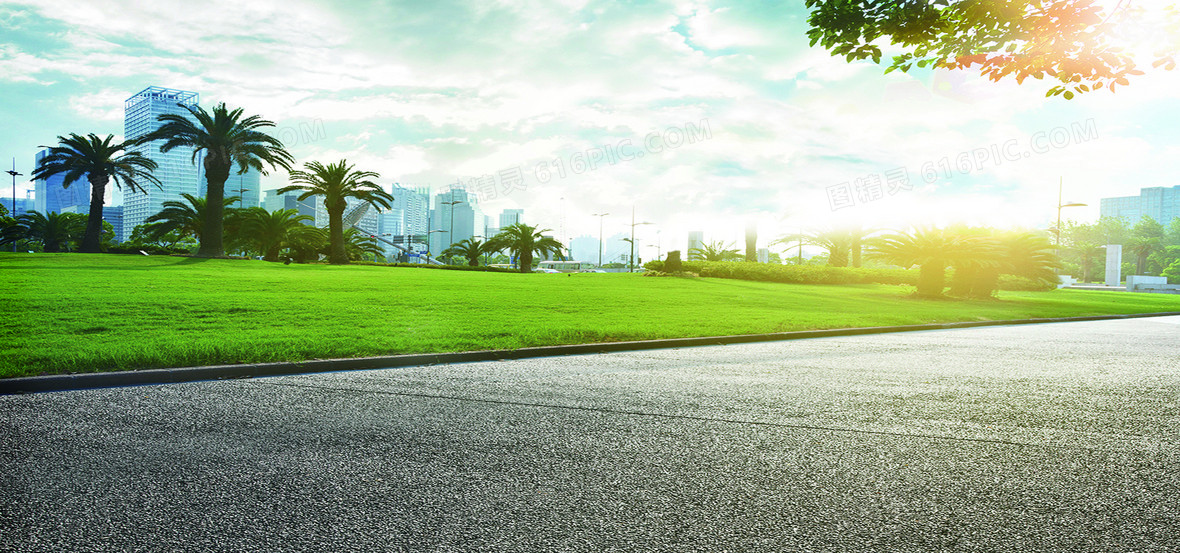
428,233
451,232
1059,206
14,176
633,225
600,216
799,261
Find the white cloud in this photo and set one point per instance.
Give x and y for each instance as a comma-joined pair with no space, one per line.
428,93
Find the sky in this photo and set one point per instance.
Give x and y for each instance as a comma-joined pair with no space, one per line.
696,115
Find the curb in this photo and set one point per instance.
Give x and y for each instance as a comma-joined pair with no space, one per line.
85,381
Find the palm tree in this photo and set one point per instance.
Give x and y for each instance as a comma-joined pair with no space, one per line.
99,161
1142,247
336,183
270,231
304,243
751,242
227,139
1029,255
523,240
1020,253
971,272
838,242
53,230
469,248
187,219
932,249
359,246
715,251
1087,253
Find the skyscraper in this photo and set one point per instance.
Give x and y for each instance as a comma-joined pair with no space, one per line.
247,188
176,169
511,217
52,197
454,217
696,241
113,214
275,201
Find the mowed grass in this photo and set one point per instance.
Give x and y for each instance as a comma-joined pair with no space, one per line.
66,313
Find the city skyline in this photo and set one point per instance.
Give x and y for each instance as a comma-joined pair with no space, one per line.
722,115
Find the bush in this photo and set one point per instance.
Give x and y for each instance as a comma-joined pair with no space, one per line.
440,267
128,248
793,274
1013,283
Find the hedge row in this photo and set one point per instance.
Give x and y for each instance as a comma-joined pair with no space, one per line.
823,274
794,274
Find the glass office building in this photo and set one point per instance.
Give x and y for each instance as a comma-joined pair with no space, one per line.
51,196
177,171
1159,203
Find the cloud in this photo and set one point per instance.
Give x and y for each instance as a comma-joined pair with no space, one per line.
428,93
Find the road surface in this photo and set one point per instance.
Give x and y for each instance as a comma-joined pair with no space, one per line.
1055,437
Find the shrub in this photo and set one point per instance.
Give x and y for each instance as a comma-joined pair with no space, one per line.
797,274
1015,283
150,249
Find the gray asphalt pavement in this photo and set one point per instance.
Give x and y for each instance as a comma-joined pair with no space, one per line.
1056,437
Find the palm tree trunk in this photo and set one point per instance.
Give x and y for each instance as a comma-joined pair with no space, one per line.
856,250
963,280
751,243
336,252
526,261
93,237
838,257
931,277
986,283
211,235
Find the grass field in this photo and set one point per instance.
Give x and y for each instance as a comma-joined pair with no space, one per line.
84,313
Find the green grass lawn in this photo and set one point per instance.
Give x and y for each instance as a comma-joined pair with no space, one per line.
84,313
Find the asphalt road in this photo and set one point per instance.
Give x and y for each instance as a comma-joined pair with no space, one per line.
1056,437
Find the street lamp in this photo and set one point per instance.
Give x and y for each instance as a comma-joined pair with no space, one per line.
633,225
451,232
1059,206
600,216
428,233
14,176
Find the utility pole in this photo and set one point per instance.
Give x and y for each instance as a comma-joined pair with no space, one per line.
600,216
452,203
14,176
633,225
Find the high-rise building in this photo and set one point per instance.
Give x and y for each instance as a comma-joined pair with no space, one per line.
247,188
454,218
18,206
113,214
584,248
177,171
1159,203
275,201
696,241
511,217
52,196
